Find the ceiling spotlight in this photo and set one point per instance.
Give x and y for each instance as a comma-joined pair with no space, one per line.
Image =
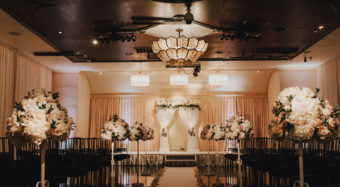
60,32
321,27
100,73
95,41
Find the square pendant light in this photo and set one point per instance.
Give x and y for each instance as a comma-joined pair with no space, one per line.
179,79
140,80
218,79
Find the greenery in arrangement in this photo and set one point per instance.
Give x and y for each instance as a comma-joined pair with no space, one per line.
192,132
301,115
170,106
164,132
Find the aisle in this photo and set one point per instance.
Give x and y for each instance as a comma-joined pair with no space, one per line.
178,176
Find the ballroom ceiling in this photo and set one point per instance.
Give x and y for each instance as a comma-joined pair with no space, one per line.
287,28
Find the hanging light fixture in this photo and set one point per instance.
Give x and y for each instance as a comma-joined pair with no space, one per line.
140,80
179,79
179,51
218,79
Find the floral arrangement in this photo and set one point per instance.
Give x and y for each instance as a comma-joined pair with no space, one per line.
148,134
137,131
115,128
301,115
190,104
206,133
213,132
238,128
192,132
218,132
164,132
38,116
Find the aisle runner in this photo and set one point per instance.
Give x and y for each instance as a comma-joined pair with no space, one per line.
178,176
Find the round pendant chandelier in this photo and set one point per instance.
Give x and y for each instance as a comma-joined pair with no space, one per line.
179,51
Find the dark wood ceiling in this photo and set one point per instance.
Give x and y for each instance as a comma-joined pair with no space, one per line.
287,27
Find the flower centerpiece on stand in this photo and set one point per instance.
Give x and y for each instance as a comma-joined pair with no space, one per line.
238,128
138,131
35,118
115,128
301,116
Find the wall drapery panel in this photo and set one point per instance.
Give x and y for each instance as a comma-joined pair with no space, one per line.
18,74
329,81
30,74
7,65
214,109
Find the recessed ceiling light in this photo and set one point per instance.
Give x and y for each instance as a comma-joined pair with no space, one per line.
321,27
60,32
13,33
100,73
258,71
95,42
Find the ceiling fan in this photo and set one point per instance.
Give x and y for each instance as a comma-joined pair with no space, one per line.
188,18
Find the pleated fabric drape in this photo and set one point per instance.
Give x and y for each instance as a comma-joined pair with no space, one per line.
129,108
213,109
7,66
218,109
29,75
329,81
18,74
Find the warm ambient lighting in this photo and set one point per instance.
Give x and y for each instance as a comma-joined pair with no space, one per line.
95,42
179,51
179,79
140,80
218,79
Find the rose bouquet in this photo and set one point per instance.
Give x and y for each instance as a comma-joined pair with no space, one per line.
300,115
115,128
38,116
218,132
206,133
238,128
137,131
148,134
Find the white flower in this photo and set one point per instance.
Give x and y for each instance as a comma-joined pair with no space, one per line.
305,112
238,128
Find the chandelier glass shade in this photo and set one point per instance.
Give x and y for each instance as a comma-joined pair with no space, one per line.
179,79
140,80
179,51
218,79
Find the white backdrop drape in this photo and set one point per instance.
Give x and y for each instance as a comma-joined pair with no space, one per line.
164,117
18,74
190,118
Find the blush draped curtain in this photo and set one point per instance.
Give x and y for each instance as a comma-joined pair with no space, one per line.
29,75
18,74
218,109
329,81
129,108
7,66
213,109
